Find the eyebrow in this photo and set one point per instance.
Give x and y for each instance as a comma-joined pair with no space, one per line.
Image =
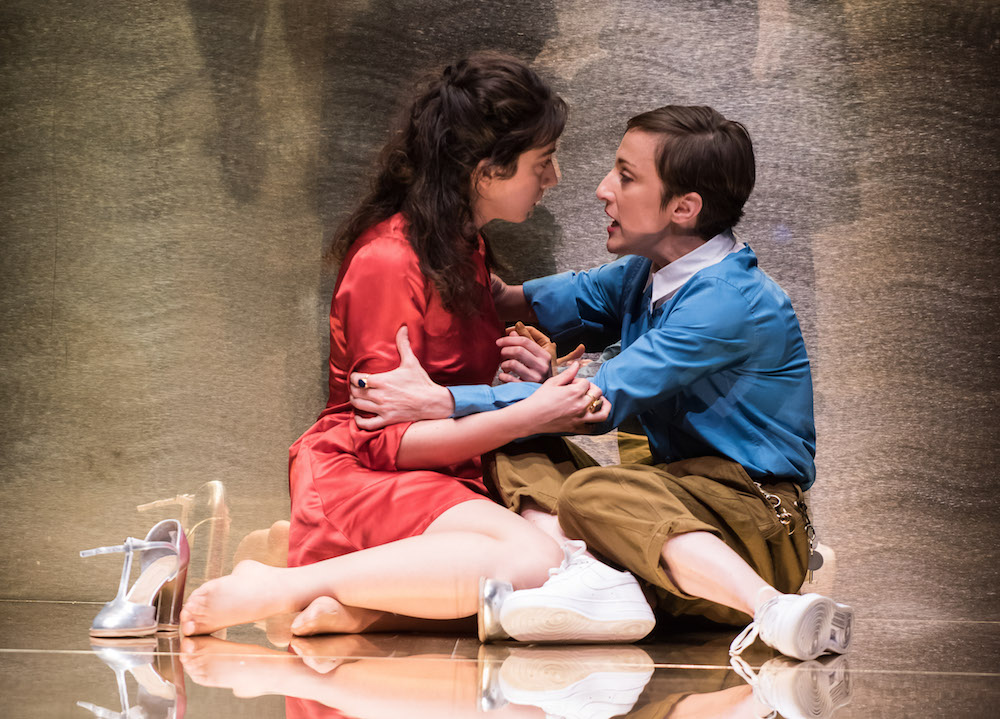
622,161
550,151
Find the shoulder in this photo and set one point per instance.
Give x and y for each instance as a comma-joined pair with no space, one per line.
718,299
383,250
738,273
736,297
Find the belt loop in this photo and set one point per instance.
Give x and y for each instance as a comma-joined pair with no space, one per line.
775,501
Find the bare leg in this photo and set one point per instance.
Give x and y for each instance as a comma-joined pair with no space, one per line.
434,576
702,565
325,615
548,523
732,703
420,687
247,669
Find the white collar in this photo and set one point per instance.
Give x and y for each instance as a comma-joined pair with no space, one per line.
670,278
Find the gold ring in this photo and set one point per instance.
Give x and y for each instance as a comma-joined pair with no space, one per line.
363,382
595,405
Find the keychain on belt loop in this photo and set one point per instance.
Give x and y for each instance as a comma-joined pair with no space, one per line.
815,558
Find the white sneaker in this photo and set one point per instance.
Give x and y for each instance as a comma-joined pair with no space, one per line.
799,690
576,682
582,601
799,625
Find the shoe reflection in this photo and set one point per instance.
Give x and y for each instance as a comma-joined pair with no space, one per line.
204,516
795,690
153,664
379,675
589,682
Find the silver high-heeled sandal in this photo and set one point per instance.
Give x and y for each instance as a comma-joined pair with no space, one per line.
154,601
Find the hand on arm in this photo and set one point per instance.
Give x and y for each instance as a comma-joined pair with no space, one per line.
561,405
405,394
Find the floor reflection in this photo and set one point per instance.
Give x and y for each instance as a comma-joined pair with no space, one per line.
153,663
372,676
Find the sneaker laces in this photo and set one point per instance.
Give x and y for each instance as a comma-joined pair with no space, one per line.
574,554
745,672
750,633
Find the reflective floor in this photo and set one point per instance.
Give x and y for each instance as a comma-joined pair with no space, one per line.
902,668
171,172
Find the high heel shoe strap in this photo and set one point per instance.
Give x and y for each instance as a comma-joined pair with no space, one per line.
131,545
99,711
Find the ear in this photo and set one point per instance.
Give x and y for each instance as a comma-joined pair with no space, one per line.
685,209
482,176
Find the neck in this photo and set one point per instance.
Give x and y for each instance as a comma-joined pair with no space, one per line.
673,247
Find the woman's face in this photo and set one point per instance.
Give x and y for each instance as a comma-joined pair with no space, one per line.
513,198
633,197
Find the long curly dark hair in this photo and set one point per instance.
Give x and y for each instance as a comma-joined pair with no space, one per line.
487,107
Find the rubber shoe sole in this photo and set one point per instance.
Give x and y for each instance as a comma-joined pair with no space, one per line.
548,624
821,626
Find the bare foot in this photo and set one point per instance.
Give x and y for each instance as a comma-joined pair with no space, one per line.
279,629
326,652
328,616
247,669
253,591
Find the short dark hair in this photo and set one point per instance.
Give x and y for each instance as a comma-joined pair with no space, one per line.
701,151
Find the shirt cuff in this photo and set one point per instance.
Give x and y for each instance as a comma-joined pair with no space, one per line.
470,399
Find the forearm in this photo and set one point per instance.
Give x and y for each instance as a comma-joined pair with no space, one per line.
512,305
443,442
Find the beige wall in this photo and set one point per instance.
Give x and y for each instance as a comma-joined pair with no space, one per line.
171,171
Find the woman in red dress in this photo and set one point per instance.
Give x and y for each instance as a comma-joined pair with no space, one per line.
397,521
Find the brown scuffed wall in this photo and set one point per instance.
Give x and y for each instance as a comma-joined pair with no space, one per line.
171,172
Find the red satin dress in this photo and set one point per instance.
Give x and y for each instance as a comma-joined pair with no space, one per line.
346,491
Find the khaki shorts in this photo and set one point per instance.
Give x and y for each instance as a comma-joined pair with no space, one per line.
626,513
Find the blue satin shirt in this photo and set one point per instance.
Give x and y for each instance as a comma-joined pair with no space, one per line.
718,369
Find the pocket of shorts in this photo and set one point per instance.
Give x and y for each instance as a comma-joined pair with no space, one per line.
763,512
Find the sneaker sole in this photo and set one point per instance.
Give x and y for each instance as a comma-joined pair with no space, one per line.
815,688
615,692
554,669
534,624
824,626
841,629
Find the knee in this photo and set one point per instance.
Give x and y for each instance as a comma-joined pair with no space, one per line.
584,488
526,563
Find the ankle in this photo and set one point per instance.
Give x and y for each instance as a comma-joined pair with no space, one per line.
764,594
